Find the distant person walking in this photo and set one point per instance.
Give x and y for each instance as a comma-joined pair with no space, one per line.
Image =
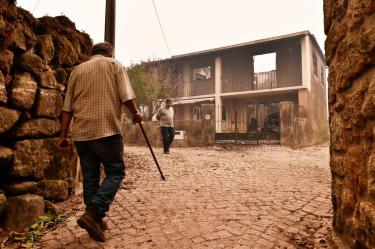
165,116
96,91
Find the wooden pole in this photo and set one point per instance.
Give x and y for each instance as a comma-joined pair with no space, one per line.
110,22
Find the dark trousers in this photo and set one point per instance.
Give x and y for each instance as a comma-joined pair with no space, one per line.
168,136
108,151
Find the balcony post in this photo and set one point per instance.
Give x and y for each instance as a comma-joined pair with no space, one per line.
218,103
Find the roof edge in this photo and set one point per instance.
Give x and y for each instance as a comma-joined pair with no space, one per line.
244,44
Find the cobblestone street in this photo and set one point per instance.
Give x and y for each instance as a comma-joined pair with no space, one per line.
248,197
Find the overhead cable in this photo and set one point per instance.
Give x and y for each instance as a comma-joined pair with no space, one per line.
36,6
161,28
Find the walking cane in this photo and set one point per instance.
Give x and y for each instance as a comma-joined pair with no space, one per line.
152,152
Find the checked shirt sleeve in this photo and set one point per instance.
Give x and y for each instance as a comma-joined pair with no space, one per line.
68,101
124,87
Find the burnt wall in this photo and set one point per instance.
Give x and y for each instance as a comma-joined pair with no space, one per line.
199,132
36,58
350,52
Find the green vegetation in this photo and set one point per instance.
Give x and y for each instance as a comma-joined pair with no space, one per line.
32,233
152,83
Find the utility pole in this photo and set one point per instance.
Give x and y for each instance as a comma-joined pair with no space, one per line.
110,22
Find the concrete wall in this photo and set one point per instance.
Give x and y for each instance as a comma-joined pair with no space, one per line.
350,50
297,127
313,99
240,104
187,86
237,68
196,132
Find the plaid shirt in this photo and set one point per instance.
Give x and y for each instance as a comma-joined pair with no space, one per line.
96,91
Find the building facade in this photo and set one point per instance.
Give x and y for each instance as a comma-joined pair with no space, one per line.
247,82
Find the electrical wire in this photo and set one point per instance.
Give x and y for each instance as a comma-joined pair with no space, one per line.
36,6
161,28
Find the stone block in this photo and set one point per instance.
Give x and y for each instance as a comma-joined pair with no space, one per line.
36,128
23,211
361,49
48,103
32,63
360,8
6,60
19,40
23,91
39,158
337,127
8,9
2,25
337,165
27,18
371,172
336,192
367,214
20,188
47,79
45,48
6,156
49,207
355,168
29,36
61,76
8,117
3,90
350,113
368,108
336,35
3,204
334,10
347,198
65,53
56,190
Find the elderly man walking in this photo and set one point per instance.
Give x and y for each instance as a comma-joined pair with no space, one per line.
96,91
165,116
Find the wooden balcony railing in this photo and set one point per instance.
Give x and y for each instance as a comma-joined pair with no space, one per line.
196,88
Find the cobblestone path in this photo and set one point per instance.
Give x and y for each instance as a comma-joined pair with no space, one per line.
248,197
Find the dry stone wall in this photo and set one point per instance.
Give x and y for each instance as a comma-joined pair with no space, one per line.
36,58
350,52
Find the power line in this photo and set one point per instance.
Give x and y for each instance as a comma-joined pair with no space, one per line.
161,28
36,6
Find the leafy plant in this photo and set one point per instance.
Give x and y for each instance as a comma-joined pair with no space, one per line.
33,232
152,82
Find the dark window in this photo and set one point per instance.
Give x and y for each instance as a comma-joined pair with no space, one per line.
315,62
197,113
202,73
224,113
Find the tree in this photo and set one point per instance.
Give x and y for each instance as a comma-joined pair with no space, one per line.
152,82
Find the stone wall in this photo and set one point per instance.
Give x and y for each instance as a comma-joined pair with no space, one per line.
36,58
350,52
196,132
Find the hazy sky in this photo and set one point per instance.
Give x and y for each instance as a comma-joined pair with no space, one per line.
189,25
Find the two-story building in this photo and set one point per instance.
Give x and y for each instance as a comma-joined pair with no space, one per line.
246,82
